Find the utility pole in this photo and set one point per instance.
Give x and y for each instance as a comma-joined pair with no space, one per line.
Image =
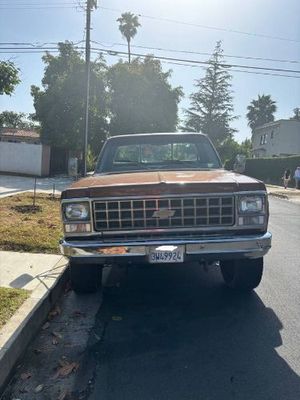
89,5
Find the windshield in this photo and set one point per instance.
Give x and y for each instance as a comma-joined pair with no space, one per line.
157,154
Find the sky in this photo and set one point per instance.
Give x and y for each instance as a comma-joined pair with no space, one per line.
257,28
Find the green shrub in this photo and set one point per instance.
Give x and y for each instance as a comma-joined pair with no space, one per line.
270,170
229,164
90,160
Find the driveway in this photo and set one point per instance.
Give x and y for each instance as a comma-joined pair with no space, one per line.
13,184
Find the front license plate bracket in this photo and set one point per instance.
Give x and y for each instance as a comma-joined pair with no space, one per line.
167,254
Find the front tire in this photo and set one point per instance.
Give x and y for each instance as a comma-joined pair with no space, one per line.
85,278
242,274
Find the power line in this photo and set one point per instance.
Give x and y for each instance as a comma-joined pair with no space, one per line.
206,26
36,44
184,62
43,8
22,3
158,49
235,70
202,67
202,53
71,5
11,4
191,61
224,65
39,6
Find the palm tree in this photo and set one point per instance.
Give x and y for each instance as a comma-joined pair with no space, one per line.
128,24
296,115
261,111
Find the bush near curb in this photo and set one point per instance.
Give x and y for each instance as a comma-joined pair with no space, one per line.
270,170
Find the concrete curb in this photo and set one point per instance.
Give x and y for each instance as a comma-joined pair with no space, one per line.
279,195
23,326
291,197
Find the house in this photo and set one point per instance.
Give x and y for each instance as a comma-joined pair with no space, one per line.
21,152
13,135
276,139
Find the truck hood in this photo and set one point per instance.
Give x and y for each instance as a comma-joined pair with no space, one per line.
161,182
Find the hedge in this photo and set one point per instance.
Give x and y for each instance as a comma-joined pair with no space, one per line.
270,170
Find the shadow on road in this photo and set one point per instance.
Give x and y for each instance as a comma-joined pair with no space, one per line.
177,333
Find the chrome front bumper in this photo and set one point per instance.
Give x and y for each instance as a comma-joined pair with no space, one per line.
220,248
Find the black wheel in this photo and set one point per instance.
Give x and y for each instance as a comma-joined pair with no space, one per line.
242,274
85,278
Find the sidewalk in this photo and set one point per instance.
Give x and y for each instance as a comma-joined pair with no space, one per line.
10,184
290,194
45,276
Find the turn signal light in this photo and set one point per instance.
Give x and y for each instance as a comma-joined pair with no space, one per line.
253,220
77,228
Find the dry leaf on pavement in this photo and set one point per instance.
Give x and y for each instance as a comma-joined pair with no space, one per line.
54,312
57,335
62,362
24,390
25,376
78,314
66,369
46,325
68,287
39,388
63,395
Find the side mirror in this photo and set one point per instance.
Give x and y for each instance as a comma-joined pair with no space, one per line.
240,163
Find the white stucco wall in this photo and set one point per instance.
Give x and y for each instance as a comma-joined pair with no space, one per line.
23,158
285,140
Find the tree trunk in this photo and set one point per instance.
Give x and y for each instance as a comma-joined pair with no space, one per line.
128,44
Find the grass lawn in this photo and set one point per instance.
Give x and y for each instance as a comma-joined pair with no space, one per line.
27,228
10,301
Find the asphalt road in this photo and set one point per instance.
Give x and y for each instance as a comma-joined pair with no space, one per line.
177,333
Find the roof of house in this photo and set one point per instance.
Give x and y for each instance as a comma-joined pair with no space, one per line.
20,133
269,124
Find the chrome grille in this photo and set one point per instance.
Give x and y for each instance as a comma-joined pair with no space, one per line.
128,214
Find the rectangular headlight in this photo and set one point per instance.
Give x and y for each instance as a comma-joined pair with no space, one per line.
251,204
76,211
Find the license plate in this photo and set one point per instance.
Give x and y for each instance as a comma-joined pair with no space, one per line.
166,254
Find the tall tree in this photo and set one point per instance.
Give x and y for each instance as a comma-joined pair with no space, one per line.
19,120
211,110
261,111
9,77
128,24
296,115
230,148
142,99
59,105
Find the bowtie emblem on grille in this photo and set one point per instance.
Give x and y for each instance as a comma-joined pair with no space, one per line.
163,213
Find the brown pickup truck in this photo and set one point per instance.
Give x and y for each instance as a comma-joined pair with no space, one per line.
164,198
